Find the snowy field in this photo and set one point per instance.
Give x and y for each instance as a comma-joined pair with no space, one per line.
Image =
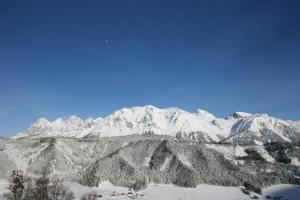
3,187
169,192
202,192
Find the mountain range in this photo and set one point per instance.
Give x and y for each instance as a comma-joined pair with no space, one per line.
137,146
200,125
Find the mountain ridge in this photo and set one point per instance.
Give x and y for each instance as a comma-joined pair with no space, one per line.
199,125
137,160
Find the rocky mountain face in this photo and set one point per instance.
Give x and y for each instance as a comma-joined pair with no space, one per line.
136,160
200,125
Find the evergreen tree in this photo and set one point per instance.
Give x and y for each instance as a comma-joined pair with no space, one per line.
42,184
16,184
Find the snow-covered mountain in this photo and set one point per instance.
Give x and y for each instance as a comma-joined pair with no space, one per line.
137,160
70,127
81,150
199,125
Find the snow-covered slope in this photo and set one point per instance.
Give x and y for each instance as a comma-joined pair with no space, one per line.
199,125
137,160
262,127
70,127
171,192
201,192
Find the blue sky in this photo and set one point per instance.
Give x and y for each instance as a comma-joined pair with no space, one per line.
89,58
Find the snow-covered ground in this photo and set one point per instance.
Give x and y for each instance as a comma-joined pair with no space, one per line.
105,188
201,192
289,192
170,192
205,192
3,187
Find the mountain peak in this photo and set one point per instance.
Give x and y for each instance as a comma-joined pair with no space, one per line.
204,114
42,120
199,125
74,119
150,107
239,115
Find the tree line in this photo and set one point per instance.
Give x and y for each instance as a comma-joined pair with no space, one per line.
38,188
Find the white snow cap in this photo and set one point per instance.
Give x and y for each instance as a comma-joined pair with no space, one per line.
168,121
204,114
239,115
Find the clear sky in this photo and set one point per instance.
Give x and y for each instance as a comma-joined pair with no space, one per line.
89,58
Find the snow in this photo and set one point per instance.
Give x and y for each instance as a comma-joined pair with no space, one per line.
227,151
201,192
295,162
258,142
166,163
146,161
290,192
124,144
22,156
108,186
256,123
205,115
169,121
239,151
265,154
128,121
239,115
243,114
170,192
185,161
79,190
205,192
231,152
3,187
105,188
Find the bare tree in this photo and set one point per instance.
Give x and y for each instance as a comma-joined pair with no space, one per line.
66,195
29,190
57,190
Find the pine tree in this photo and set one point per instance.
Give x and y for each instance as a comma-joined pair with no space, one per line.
42,184
16,184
